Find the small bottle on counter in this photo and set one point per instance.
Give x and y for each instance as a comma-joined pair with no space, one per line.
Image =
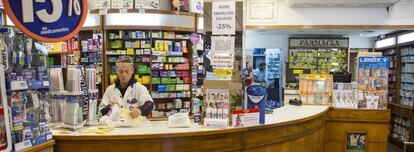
214,113
219,113
209,113
225,113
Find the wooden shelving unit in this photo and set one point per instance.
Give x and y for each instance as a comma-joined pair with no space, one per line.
402,118
109,56
145,57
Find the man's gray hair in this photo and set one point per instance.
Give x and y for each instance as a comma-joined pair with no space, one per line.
125,59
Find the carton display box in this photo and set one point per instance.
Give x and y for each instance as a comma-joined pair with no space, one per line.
122,4
156,80
147,4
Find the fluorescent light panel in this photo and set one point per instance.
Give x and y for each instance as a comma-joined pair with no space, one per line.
409,37
385,42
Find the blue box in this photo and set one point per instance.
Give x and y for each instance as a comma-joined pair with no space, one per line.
162,87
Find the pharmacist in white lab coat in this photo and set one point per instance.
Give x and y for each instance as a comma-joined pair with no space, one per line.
126,93
259,74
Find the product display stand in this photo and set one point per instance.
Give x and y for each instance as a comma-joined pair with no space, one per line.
91,46
27,86
66,102
91,78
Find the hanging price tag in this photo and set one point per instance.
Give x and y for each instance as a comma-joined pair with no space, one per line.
224,14
141,11
123,11
103,11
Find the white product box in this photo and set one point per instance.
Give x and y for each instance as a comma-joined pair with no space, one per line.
147,4
216,123
103,4
122,4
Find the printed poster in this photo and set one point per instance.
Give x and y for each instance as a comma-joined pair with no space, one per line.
218,98
223,16
222,49
222,44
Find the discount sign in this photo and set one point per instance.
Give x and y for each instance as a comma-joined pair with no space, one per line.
224,14
47,20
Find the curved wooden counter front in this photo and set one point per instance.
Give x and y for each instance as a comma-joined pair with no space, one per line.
288,130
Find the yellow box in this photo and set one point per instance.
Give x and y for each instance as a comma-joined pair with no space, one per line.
112,78
146,79
130,52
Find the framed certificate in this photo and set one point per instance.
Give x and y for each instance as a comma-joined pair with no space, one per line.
262,11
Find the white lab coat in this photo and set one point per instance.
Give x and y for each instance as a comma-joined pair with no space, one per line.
135,96
259,76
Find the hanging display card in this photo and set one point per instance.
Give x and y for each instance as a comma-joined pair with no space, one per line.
224,18
222,49
257,95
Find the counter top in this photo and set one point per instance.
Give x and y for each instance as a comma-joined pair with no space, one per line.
282,116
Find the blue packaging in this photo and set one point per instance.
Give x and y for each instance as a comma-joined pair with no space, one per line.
257,99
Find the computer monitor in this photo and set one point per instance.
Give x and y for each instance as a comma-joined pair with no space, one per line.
344,77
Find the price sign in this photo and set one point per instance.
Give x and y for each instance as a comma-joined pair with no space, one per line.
224,26
222,73
224,14
47,20
297,71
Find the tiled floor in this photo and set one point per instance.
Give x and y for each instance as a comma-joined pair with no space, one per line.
393,148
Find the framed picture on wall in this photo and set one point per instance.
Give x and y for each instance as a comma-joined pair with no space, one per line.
356,141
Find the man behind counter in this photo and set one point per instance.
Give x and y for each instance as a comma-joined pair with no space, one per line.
126,92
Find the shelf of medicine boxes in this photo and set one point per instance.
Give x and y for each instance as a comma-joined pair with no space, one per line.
173,82
395,83
120,46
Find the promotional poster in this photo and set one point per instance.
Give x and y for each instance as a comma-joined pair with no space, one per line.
256,95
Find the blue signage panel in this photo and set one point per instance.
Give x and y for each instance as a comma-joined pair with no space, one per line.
47,20
374,62
256,95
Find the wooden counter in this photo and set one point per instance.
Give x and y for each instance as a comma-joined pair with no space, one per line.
288,129
373,123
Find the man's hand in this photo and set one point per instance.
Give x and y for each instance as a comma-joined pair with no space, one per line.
135,113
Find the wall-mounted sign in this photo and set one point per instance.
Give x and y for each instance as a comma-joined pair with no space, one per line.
47,21
318,43
222,72
262,11
222,60
224,18
297,71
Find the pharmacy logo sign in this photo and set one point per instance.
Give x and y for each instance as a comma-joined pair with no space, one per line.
47,20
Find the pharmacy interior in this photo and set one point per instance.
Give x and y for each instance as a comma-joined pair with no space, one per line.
358,69
213,75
